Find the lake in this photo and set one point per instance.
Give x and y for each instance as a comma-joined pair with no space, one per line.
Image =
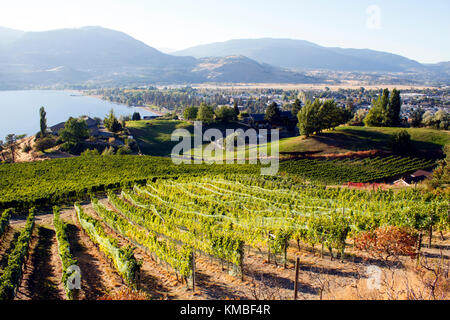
19,110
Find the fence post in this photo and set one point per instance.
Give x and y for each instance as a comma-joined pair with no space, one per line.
193,271
297,265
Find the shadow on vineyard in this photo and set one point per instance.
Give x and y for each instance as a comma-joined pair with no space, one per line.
91,283
9,249
214,290
39,284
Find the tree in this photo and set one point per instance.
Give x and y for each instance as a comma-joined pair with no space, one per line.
11,146
378,113
385,111
308,120
394,108
296,107
205,114
136,116
272,113
441,175
190,113
44,143
401,142
236,109
43,121
225,114
75,131
416,117
111,122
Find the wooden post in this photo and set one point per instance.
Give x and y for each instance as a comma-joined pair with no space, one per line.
285,256
431,236
193,272
268,247
419,247
297,266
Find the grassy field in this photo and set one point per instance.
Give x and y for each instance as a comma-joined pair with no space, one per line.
154,136
427,142
347,139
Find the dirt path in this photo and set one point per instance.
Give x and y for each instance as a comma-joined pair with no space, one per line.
156,281
98,277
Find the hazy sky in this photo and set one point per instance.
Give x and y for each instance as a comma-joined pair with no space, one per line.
417,29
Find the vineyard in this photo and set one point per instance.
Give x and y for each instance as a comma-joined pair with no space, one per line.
213,237
46,183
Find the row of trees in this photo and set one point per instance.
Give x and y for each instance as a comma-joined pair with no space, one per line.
385,111
207,114
314,117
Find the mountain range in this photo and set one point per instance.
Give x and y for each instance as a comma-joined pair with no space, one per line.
102,57
304,55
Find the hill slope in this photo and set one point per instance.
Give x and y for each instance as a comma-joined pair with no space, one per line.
300,54
103,56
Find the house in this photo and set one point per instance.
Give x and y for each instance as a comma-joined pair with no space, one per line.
91,124
414,178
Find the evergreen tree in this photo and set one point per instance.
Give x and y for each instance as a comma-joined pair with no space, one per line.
272,113
395,105
296,107
43,122
236,109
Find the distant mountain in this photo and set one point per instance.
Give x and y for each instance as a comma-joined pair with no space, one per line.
304,55
106,57
9,35
243,69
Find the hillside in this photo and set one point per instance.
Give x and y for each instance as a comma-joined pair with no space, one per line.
300,54
101,56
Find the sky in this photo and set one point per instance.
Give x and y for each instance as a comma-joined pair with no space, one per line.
417,29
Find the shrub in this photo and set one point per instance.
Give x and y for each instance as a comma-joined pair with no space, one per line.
401,142
26,148
123,150
44,144
387,242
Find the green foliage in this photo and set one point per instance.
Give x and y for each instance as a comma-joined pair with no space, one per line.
12,274
440,120
385,111
90,153
4,221
272,113
190,113
108,151
401,143
123,258
225,114
75,131
441,176
123,150
43,122
136,116
308,118
416,117
67,260
45,143
205,114
296,107
111,122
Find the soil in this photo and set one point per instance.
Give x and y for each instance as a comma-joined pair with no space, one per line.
319,277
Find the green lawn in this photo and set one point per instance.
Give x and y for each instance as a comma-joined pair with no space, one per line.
154,136
345,139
